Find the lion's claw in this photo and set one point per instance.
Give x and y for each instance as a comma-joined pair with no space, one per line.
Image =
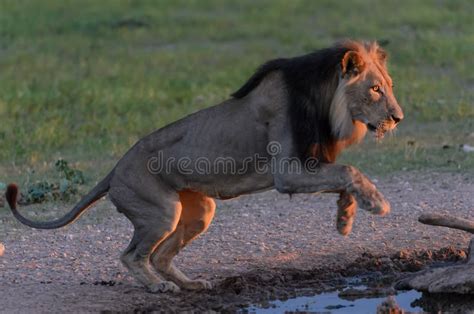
381,208
344,225
164,286
198,284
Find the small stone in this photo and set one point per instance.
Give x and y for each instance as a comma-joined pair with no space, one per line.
467,148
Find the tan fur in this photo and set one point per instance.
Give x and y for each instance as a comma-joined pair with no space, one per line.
330,152
194,220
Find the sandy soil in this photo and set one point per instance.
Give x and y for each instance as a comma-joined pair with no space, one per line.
268,239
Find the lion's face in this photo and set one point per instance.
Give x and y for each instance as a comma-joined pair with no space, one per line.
368,91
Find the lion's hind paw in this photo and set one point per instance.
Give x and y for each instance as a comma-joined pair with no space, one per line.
198,284
164,286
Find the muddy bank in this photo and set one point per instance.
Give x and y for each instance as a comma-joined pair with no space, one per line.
261,286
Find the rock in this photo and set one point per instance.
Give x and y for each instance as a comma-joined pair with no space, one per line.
452,279
467,148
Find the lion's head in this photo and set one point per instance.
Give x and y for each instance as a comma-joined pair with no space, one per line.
334,95
364,92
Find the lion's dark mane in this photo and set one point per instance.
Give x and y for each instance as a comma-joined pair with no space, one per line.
311,80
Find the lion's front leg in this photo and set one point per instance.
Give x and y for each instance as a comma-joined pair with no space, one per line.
335,178
346,210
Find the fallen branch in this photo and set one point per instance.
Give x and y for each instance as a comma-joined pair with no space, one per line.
447,221
451,279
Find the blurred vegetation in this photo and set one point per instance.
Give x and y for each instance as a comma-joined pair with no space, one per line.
63,185
85,79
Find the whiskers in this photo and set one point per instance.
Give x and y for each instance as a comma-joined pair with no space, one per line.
393,131
384,127
380,131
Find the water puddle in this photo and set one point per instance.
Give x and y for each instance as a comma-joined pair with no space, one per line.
332,302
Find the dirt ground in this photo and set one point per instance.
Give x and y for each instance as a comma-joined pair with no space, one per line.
258,247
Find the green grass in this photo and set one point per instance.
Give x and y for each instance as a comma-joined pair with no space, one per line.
432,146
83,80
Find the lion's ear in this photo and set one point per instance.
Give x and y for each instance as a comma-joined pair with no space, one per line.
382,56
352,64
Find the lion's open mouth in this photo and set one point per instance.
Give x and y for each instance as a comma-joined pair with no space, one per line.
371,127
378,130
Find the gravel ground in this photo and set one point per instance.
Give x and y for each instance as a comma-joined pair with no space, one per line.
77,268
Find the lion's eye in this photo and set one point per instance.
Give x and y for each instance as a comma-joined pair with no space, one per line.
376,88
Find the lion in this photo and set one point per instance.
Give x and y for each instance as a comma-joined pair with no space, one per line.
300,111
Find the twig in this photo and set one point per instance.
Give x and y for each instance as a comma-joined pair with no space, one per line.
447,221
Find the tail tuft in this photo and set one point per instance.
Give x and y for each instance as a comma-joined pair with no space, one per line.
11,195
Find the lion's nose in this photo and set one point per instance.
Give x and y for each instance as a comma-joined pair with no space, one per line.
397,118
396,112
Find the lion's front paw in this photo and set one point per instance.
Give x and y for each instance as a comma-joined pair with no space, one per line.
375,204
198,284
381,208
367,195
344,225
346,210
164,286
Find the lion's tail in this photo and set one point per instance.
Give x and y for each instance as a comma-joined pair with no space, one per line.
87,201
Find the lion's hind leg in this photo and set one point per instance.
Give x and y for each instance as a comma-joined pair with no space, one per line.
154,220
196,215
346,210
